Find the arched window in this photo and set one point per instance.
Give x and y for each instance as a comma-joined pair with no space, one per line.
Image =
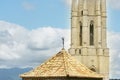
91,33
80,33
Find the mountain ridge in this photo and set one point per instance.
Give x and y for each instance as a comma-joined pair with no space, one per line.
13,73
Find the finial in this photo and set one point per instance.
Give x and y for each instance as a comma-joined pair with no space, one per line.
63,42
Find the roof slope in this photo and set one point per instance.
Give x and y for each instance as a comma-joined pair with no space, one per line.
61,65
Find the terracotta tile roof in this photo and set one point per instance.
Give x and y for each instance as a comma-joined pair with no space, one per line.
61,65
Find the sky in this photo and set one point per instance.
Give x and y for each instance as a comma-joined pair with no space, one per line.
35,13
31,31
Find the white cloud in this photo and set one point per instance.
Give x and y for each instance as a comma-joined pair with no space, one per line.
68,2
115,4
20,47
28,6
114,45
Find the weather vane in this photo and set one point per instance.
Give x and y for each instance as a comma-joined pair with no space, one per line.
63,42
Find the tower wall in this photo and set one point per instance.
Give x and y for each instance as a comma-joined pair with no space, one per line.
90,45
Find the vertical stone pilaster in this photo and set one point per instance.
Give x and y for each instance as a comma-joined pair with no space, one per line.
103,3
104,33
104,28
74,23
80,6
98,22
85,24
74,6
80,12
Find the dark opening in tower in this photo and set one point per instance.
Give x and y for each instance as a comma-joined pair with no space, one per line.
80,33
91,33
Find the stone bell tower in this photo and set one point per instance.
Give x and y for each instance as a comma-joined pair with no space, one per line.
88,34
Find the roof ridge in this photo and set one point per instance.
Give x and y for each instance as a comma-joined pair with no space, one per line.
65,64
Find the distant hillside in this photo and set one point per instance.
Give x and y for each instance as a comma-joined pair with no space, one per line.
12,74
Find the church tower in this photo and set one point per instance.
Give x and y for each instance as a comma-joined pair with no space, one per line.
88,34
